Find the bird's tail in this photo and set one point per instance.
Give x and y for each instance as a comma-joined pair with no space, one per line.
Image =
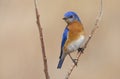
61,61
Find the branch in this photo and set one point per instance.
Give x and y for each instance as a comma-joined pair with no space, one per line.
96,25
42,41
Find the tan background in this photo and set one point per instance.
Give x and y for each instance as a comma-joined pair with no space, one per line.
20,52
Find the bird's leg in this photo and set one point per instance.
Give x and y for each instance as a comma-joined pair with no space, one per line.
80,50
74,60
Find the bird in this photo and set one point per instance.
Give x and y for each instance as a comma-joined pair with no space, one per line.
73,37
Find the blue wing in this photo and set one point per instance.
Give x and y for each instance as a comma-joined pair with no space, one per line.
64,38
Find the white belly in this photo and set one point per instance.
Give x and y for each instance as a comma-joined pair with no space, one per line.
75,44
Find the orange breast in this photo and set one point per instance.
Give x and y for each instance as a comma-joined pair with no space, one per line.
75,30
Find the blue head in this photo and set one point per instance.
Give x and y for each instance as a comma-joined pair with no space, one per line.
70,17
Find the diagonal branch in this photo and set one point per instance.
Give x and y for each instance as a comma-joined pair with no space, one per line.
42,41
96,25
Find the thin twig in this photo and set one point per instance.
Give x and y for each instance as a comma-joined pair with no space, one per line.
42,41
96,25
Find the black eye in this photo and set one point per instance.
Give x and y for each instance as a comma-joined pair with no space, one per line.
71,17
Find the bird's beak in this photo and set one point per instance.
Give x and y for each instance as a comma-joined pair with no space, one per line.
64,18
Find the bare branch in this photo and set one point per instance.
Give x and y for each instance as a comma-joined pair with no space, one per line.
96,25
42,41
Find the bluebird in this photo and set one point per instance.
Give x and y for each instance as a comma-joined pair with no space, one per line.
73,37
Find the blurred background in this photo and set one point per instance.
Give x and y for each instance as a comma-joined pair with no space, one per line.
20,51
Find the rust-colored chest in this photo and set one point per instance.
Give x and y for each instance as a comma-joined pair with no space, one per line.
75,31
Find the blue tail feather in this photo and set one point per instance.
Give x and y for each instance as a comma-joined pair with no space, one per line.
60,63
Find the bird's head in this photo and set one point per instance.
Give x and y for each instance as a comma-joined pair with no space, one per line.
70,17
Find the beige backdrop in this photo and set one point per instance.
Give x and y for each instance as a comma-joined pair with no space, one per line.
20,51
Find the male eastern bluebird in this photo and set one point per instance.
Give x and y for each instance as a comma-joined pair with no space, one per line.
73,36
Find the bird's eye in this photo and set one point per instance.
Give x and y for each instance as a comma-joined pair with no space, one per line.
71,17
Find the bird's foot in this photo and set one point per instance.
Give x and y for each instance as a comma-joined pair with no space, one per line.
81,50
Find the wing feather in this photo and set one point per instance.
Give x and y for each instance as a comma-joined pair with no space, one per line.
64,38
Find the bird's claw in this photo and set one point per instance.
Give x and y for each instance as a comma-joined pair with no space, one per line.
81,50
